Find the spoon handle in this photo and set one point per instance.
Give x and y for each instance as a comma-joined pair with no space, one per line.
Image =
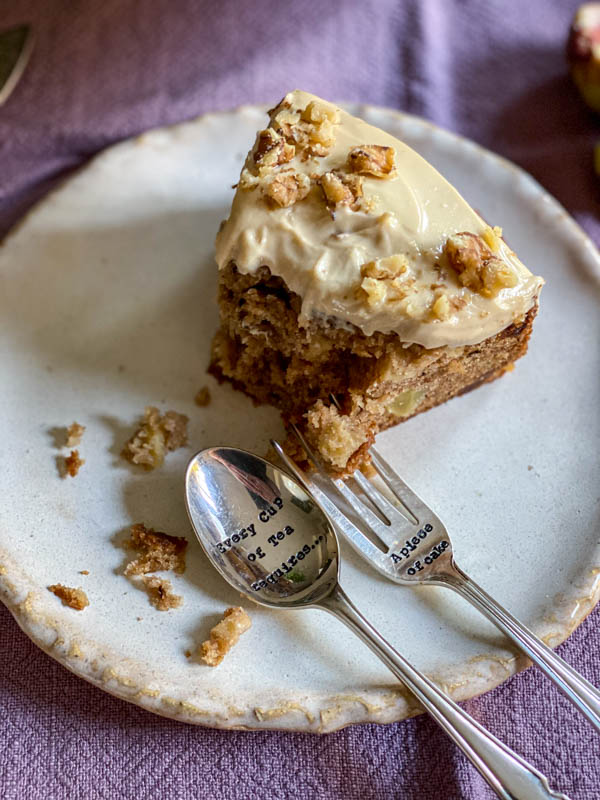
510,776
579,691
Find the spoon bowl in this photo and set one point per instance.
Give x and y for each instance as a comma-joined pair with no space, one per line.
260,529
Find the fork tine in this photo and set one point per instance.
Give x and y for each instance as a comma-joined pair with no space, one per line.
381,529
357,538
394,483
413,504
384,532
365,514
400,517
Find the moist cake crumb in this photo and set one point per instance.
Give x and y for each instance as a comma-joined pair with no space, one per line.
74,598
74,434
160,593
202,397
72,464
157,434
224,636
158,551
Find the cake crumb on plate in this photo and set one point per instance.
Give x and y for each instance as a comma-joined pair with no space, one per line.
156,435
202,397
160,593
74,598
224,636
158,551
74,433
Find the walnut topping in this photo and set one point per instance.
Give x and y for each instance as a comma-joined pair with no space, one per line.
477,267
318,113
492,236
311,130
272,150
74,598
372,159
156,435
383,281
286,188
247,180
224,636
441,308
341,190
385,268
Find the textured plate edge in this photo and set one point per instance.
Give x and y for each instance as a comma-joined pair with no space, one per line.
480,673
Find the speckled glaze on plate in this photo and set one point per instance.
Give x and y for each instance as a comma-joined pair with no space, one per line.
107,305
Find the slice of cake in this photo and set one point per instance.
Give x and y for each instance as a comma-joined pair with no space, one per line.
349,266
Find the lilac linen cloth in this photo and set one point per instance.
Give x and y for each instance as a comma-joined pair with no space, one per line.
101,71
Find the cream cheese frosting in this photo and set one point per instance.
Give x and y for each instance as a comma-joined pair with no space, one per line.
368,245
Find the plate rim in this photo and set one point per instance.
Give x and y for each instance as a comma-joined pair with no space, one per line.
84,658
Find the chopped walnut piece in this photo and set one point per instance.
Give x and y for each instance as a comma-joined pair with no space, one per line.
272,150
160,593
318,113
156,435
341,190
477,267
492,237
202,397
382,281
441,308
159,551
372,159
385,268
286,188
247,180
311,131
72,464
74,598
224,636
74,434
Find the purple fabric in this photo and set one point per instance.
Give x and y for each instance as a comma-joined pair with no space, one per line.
100,72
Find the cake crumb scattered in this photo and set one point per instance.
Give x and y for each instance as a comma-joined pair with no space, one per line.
158,551
72,464
156,435
202,397
187,653
84,572
74,598
74,434
224,636
160,593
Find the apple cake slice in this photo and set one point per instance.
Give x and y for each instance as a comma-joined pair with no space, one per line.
349,266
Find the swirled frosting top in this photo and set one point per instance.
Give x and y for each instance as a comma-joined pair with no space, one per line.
367,232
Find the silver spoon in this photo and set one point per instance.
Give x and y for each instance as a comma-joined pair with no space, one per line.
271,541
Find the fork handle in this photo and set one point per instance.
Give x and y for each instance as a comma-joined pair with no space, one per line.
580,692
509,775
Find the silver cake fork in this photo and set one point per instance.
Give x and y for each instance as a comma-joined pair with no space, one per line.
416,548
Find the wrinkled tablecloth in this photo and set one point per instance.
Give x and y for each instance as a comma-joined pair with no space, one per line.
101,71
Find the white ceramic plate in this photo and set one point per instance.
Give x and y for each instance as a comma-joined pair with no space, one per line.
107,305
